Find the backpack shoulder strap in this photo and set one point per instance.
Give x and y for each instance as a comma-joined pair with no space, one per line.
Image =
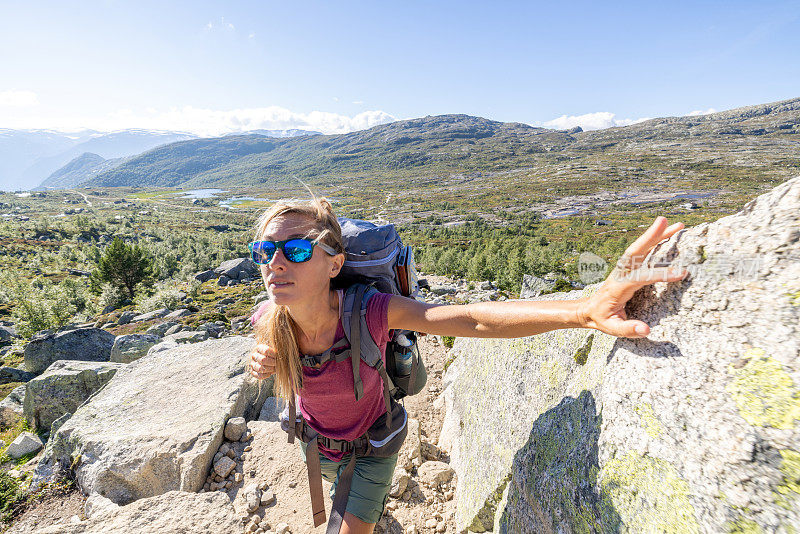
354,323
362,346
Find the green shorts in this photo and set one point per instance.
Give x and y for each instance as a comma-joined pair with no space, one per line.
372,480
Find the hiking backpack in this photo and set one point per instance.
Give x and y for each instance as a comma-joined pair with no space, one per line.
375,255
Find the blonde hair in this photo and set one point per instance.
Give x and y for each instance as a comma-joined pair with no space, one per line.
276,328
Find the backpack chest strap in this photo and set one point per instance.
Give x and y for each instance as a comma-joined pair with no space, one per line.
320,359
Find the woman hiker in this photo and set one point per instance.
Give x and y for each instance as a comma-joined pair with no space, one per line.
303,317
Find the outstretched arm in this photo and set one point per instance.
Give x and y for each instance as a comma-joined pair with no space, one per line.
604,310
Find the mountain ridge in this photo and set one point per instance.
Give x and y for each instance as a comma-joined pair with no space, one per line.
435,146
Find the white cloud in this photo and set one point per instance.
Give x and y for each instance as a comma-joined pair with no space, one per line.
207,122
222,24
697,112
252,35
358,102
590,121
18,99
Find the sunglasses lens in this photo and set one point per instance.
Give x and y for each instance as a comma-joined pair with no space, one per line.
298,250
263,251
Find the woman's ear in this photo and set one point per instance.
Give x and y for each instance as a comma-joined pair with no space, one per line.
336,265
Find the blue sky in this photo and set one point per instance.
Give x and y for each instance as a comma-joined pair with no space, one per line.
214,67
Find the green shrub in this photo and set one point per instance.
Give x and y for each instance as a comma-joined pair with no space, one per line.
41,305
11,496
125,267
166,295
448,341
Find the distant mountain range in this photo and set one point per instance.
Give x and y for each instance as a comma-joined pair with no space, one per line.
446,144
439,146
28,158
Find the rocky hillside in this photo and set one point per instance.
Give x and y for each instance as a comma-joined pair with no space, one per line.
447,144
77,171
694,429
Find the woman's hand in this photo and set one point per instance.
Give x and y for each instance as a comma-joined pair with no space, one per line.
262,362
605,310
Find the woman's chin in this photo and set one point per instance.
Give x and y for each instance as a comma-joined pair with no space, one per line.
282,297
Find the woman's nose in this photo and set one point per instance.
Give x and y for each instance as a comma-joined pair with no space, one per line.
276,261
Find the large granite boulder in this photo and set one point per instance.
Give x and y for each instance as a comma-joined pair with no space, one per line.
12,374
533,286
11,408
83,344
155,314
693,429
7,334
26,443
157,424
174,512
62,388
131,347
234,268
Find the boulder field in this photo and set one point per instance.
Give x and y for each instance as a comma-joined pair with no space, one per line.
692,429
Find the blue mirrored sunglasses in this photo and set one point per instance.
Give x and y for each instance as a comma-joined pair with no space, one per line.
296,250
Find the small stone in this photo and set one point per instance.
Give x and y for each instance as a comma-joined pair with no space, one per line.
282,528
433,473
255,518
228,484
267,497
411,529
406,495
252,496
224,448
262,485
206,486
248,448
292,484
399,482
234,428
391,506
430,523
224,466
238,477
231,454
440,526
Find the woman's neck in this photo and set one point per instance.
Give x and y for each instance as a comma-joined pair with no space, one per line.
317,323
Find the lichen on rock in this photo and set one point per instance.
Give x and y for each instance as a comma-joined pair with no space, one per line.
764,393
648,495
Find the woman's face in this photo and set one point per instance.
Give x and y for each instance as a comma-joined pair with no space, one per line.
297,283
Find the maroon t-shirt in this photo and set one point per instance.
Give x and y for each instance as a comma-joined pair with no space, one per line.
327,400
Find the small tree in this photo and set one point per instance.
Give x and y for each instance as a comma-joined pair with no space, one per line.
125,266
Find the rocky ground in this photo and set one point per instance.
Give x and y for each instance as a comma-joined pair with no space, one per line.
423,486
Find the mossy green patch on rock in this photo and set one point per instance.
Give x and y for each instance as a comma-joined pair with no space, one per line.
553,372
790,467
764,392
648,495
582,354
744,526
795,298
650,422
